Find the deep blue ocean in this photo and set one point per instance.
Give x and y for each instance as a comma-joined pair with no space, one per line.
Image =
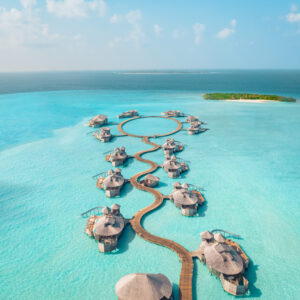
247,164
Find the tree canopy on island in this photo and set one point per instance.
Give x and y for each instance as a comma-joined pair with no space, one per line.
238,96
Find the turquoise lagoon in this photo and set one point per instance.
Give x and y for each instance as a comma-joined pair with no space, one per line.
247,164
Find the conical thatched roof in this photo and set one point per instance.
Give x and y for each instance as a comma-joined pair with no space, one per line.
183,197
223,259
185,185
176,184
115,206
219,238
107,226
143,287
105,210
206,235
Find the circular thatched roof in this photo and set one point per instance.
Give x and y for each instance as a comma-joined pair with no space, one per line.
152,177
99,118
206,235
184,198
118,155
171,164
223,258
113,181
106,226
219,238
139,286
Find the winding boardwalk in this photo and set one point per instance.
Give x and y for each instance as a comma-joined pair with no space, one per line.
186,274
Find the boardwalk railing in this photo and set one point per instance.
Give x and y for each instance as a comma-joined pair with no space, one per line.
93,211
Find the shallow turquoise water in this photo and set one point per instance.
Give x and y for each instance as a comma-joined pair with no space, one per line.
247,163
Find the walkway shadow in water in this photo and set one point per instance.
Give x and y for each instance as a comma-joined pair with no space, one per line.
125,239
203,208
253,292
125,190
175,289
195,277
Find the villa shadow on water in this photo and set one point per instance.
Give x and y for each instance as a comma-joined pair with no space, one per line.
125,239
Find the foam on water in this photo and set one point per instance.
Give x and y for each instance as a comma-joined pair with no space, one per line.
247,163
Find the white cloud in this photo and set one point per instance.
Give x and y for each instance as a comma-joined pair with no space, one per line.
157,29
233,22
75,8
23,27
198,31
135,34
115,18
225,33
293,17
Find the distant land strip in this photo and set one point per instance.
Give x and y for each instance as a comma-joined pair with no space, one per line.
245,96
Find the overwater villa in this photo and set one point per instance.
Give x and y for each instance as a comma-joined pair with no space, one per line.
112,184
173,113
173,167
106,228
170,147
225,259
118,157
104,135
191,119
98,121
195,128
128,114
144,286
187,200
150,180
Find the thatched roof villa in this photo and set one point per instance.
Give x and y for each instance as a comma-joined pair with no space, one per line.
170,147
104,135
195,128
173,167
106,228
226,260
185,199
150,180
112,184
118,157
144,286
128,114
98,121
173,113
191,119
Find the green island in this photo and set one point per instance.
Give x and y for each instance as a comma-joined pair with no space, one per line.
245,96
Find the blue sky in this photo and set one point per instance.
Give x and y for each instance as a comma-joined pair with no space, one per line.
117,34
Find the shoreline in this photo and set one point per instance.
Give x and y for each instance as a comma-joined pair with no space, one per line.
249,100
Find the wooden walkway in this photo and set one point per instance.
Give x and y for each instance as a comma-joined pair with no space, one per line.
186,275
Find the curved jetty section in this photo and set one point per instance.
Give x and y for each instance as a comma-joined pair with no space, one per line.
186,275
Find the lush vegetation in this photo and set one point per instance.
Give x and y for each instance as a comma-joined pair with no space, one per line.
238,96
